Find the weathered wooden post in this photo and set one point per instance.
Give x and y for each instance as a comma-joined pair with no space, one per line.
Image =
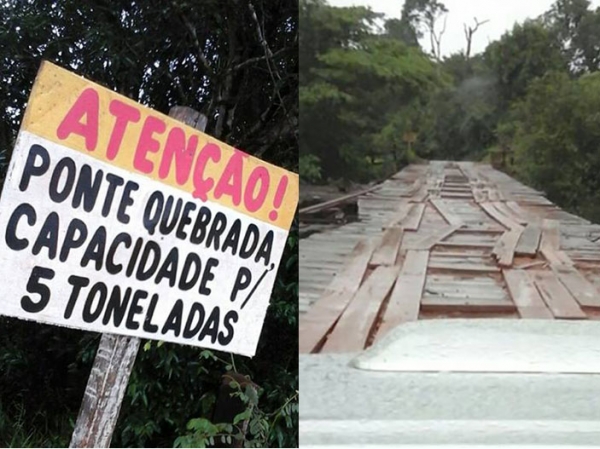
114,360
117,219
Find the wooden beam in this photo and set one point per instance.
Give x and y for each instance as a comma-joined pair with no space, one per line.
336,201
352,330
550,244
466,245
466,305
446,212
525,295
510,213
556,296
399,214
504,250
525,217
413,219
320,318
580,288
387,251
492,210
405,300
472,267
529,242
427,242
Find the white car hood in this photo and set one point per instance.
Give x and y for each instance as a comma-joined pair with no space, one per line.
436,400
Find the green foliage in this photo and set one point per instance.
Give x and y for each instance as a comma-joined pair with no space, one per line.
534,91
351,95
261,427
557,122
310,168
526,53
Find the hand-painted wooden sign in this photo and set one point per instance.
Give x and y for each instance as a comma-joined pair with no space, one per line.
116,218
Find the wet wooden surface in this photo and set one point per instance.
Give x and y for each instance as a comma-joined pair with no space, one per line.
445,240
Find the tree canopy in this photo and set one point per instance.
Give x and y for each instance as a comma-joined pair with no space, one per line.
532,92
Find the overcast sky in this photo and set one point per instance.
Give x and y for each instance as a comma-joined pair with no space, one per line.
502,14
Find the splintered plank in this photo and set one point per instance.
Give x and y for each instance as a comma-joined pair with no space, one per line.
581,289
504,250
405,300
525,296
427,242
320,318
387,251
556,296
446,211
530,241
413,219
352,330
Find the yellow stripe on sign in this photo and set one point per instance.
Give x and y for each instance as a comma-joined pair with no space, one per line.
72,111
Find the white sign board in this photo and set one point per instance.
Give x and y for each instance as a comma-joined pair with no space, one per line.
115,218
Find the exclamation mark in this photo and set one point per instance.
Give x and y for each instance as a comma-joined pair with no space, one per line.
279,194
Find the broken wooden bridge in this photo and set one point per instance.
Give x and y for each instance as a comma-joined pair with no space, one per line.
444,240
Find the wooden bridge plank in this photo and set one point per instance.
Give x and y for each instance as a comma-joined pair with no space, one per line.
523,215
510,213
427,242
405,300
530,241
550,244
522,223
352,330
556,296
550,234
413,219
464,266
321,317
446,212
387,251
582,290
525,295
336,201
466,305
399,214
504,250
491,209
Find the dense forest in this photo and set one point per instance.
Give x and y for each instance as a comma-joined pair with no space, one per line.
374,98
235,61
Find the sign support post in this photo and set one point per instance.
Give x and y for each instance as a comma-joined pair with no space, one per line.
114,360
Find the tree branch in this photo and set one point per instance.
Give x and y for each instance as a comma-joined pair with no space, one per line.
469,32
261,37
200,53
256,59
